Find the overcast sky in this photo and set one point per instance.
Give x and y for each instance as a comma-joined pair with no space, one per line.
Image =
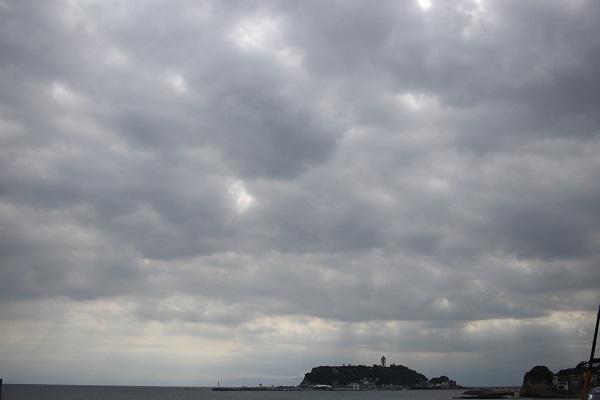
197,191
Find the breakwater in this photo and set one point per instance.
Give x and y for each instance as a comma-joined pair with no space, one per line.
255,388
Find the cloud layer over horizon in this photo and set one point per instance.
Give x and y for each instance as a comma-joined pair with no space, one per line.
194,191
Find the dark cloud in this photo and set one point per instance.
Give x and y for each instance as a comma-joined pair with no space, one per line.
324,180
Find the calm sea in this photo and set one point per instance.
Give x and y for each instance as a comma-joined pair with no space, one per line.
64,392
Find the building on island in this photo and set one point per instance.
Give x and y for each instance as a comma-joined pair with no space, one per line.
383,361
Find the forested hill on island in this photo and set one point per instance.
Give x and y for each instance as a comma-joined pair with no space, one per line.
374,377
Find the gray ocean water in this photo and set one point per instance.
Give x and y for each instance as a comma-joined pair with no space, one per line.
69,392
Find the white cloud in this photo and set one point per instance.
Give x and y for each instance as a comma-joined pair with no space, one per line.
242,200
177,82
258,32
425,4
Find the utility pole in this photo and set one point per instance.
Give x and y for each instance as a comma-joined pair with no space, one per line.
588,374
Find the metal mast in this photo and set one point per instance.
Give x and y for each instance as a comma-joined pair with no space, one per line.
588,374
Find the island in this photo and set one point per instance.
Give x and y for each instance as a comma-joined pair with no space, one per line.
362,377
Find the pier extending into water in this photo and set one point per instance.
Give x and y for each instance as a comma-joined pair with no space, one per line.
255,388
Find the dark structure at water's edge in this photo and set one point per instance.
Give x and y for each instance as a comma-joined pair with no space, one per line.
540,382
255,388
490,393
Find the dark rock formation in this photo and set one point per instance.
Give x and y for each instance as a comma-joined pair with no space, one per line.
537,383
439,380
568,383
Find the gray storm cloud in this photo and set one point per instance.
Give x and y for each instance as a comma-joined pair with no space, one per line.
318,181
